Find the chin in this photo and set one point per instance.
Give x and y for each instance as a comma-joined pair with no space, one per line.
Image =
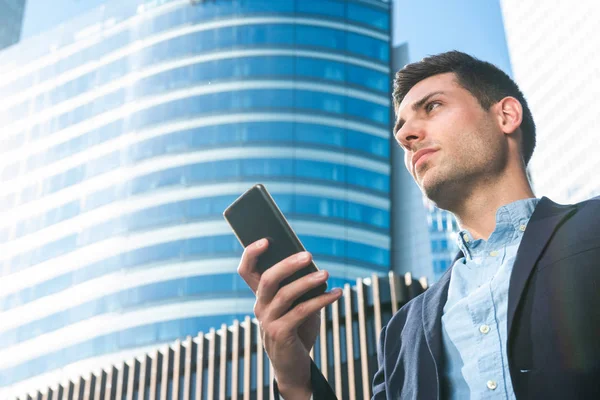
439,191
430,184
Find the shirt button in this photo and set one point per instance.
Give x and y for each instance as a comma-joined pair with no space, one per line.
522,228
492,385
493,253
484,329
466,238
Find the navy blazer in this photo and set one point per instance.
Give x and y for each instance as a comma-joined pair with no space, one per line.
553,342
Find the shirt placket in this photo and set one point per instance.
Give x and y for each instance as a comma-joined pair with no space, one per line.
489,383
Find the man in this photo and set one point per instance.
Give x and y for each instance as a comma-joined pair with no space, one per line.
518,313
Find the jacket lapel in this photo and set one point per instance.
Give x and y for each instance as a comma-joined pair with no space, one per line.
434,300
544,221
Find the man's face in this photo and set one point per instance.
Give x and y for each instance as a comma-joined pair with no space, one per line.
450,142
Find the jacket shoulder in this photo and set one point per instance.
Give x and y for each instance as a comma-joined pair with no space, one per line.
587,217
408,319
594,202
577,233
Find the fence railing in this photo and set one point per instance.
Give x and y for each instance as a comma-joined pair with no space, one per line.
230,363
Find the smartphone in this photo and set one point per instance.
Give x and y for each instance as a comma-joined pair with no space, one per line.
255,215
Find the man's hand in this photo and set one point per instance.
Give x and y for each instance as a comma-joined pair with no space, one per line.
288,336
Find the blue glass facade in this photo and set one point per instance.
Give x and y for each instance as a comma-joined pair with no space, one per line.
128,131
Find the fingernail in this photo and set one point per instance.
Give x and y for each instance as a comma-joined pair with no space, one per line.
319,275
303,256
337,291
261,243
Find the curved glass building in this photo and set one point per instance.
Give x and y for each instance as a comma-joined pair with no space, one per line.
126,133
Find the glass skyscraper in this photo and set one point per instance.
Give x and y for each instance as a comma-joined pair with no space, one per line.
127,131
553,48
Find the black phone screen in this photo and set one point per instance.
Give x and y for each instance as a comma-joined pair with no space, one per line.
254,216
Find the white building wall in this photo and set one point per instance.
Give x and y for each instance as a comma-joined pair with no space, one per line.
554,50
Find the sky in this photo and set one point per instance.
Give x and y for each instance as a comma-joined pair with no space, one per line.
434,26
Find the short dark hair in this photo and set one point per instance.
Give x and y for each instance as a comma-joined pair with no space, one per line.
486,82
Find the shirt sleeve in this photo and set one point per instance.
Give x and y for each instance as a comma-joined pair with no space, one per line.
321,390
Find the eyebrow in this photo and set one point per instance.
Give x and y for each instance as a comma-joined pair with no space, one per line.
415,106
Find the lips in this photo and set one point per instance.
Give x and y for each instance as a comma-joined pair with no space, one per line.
420,154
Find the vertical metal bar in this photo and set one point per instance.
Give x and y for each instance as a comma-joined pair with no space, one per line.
59,394
111,386
337,344
235,359
212,339
50,393
362,334
176,369
166,362
187,370
247,356
323,343
376,305
153,375
79,388
259,365
121,373
199,365
394,291
100,385
223,362
133,373
63,391
349,341
271,379
69,391
142,380
411,289
87,394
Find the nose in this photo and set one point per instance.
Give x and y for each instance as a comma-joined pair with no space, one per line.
410,133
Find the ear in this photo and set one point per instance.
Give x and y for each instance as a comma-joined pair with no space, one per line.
509,114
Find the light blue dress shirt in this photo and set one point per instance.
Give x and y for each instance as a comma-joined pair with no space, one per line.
474,320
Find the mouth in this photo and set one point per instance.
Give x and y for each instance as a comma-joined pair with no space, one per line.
420,157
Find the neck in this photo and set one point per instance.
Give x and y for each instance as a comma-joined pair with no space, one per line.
476,212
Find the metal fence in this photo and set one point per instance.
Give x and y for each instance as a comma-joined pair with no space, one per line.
230,363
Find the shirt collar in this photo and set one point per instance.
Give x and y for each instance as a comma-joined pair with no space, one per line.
511,222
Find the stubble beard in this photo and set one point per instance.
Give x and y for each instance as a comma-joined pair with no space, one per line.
442,186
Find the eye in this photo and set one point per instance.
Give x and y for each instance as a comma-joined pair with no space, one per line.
431,106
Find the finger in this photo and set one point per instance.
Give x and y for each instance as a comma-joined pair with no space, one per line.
247,267
295,317
272,277
286,296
